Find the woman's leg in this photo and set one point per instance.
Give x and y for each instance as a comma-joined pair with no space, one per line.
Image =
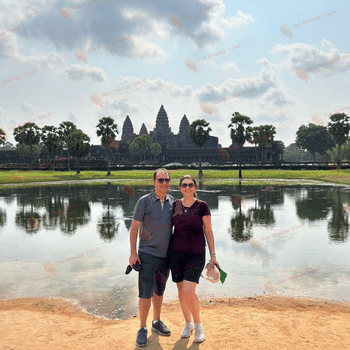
185,310
190,301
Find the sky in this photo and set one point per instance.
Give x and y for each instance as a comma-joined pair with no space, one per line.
284,63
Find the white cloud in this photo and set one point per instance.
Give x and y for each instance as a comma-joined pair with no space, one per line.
138,47
28,108
309,58
10,49
278,97
170,88
230,67
74,118
261,82
235,22
18,12
124,106
76,72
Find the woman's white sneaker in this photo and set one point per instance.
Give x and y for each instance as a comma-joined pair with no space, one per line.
187,331
199,336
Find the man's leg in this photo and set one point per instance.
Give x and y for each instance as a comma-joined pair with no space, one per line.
161,277
144,305
157,302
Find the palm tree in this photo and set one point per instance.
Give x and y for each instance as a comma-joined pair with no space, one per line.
2,136
78,145
239,134
254,131
339,129
107,130
266,136
199,133
64,129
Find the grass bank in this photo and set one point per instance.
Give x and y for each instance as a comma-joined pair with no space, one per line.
142,177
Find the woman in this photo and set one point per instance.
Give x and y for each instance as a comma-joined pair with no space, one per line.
187,252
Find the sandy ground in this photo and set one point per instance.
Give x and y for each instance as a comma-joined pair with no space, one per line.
266,322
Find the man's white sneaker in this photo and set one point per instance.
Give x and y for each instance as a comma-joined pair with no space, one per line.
199,336
187,331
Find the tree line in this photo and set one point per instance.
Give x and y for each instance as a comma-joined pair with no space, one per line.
32,140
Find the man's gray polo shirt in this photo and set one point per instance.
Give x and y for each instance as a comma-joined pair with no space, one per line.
155,228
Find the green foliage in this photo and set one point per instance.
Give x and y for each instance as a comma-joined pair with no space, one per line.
239,135
28,136
199,132
314,138
345,152
266,134
155,148
135,149
51,140
78,144
64,129
2,136
293,153
280,146
339,129
107,129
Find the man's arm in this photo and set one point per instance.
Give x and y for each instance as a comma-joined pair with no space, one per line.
133,240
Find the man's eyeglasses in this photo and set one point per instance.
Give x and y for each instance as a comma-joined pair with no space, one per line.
187,185
162,180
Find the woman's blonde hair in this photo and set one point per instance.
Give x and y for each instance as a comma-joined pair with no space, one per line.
194,181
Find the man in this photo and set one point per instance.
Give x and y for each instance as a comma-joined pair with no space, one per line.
152,218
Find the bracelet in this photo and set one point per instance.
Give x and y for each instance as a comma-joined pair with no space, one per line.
212,254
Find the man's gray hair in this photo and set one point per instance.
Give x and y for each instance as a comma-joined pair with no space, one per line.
160,170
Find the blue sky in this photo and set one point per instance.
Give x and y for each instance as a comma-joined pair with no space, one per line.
283,63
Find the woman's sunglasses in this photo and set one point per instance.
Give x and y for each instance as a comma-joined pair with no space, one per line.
191,185
162,180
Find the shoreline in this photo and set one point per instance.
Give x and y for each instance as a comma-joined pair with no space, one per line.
209,182
258,322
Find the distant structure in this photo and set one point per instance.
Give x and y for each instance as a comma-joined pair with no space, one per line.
179,147
175,147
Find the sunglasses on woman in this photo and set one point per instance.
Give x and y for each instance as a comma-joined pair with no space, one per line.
187,185
162,180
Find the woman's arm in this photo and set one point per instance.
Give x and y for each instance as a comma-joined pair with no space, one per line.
210,239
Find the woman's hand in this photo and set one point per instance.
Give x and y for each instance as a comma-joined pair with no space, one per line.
213,262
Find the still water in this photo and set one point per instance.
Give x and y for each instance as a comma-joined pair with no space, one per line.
73,242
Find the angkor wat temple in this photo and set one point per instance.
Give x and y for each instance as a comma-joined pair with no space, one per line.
180,148
175,147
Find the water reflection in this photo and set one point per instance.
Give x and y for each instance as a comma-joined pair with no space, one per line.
338,225
73,241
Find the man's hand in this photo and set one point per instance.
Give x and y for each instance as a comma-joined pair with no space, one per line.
133,259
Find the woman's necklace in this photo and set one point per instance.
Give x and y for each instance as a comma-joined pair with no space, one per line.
186,208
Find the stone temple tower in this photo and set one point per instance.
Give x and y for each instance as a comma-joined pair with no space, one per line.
162,129
128,129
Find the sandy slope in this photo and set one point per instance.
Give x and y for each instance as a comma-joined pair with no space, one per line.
266,322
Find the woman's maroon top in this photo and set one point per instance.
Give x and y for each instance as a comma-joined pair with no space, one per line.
188,235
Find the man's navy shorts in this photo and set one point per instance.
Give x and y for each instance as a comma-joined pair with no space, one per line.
153,275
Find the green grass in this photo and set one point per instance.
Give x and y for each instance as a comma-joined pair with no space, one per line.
144,177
